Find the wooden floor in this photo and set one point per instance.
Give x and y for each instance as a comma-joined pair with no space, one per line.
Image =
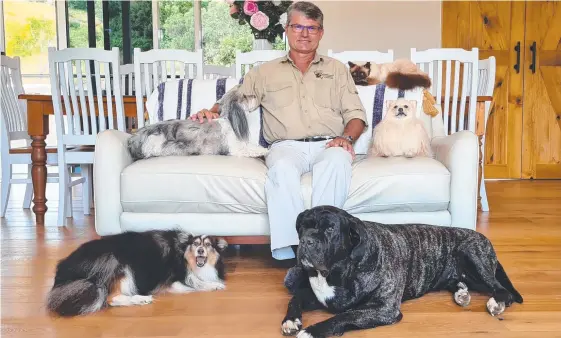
524,224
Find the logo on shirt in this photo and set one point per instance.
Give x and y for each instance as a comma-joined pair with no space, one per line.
321,75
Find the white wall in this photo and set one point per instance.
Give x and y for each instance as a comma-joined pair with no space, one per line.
380,25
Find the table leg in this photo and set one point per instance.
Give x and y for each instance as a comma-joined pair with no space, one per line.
38,129
39,177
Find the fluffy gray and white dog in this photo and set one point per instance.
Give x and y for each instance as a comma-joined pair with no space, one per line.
226,135
362,271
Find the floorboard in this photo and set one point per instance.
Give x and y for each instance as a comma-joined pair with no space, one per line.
524,224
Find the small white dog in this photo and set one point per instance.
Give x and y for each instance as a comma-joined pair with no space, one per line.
400,133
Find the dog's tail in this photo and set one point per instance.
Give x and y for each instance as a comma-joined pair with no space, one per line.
78,297
501,276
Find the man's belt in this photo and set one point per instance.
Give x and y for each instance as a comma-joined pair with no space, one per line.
315,139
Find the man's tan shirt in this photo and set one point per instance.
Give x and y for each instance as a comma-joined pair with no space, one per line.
319,103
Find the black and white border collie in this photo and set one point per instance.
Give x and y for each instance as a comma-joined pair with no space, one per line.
127,269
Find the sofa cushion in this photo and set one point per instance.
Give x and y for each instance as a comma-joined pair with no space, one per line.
398,184
227,184
194,184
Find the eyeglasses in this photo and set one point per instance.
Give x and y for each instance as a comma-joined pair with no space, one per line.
312,30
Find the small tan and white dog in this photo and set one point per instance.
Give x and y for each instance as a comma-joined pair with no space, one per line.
400,133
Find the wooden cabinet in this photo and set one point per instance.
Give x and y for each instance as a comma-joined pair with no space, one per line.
523,137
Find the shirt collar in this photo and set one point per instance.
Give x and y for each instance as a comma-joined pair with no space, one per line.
317,58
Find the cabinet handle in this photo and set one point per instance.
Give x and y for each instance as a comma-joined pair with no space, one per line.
517,65
533,50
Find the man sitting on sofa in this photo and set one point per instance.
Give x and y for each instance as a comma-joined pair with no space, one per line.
312,114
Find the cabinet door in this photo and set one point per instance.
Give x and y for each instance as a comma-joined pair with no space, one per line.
496,28
541,140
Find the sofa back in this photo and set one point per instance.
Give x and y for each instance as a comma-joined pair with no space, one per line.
178,99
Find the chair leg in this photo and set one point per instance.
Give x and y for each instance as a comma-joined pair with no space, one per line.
86,188
28,190
482,189
483,193
63,192
6,177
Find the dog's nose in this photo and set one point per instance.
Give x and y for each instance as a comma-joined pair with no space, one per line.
400,110
201,251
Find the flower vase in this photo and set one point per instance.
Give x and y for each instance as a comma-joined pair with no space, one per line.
262,44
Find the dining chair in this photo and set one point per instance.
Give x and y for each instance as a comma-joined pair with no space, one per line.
247,60
465,65
160,65
13,129
215,72
362,56
486,87
463,62
86,89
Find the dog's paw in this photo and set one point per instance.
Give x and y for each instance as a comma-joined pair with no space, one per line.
495,308
290,327
215,287
141,300
304,334
462,296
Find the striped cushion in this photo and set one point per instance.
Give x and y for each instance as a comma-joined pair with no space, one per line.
178,99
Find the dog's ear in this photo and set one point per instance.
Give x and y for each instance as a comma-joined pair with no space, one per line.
389,103
413,104
221,244
367,65
357,246
351,64
299,220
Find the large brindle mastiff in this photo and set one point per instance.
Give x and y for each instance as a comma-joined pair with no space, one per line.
363,271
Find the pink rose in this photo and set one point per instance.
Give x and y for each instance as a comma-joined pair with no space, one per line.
259,20
233,10
250,8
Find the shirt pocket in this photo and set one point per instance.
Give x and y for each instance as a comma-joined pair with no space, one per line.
324,94
279,94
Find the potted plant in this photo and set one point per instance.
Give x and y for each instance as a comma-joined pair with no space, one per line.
267,19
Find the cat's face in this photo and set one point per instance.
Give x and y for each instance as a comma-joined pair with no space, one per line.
359,73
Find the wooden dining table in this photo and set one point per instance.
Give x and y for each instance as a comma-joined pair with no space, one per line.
40,107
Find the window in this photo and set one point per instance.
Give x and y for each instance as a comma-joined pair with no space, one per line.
123,24
177,25
222,35
30,28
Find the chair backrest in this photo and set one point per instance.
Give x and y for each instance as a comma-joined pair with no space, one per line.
127,79
486,86
465,64
80,78
160,65
14,111
215,72
362,56
254,58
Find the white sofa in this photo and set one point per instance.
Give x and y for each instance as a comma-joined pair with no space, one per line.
225,196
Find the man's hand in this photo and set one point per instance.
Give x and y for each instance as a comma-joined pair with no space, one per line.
206,113
342,142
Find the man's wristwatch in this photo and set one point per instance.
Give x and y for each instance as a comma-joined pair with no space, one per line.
349,138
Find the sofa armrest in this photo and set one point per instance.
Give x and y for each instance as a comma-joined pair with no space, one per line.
111,157
459,153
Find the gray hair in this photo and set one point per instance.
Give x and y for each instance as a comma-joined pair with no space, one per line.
310,11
